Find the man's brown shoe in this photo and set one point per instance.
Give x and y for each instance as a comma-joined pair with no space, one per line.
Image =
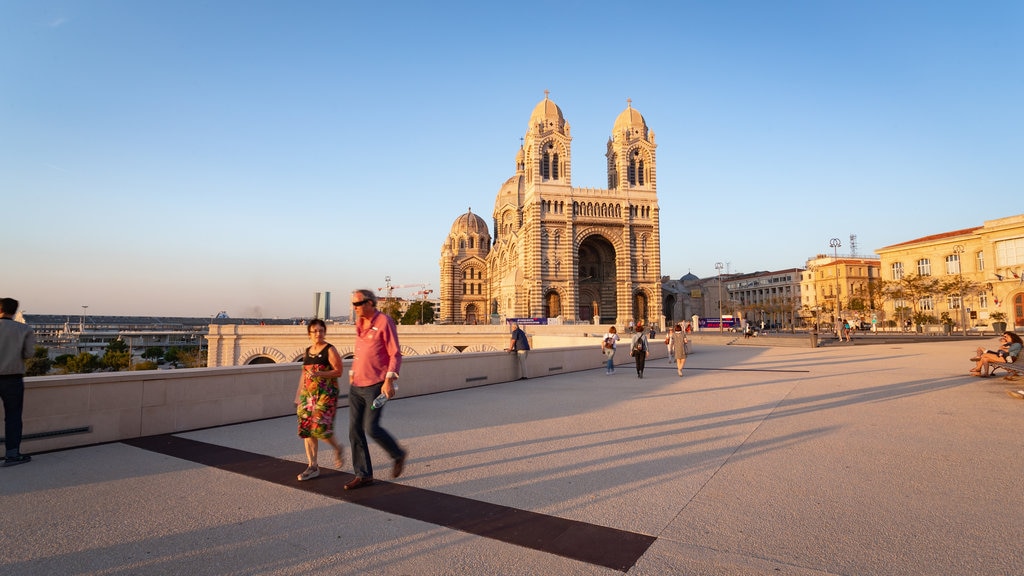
358,482
399,466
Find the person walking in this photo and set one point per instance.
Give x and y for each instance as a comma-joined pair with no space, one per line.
375,367
317,397
677,344
17,344
608,348
520,346
638,348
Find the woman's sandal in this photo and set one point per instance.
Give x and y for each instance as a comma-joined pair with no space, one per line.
339,458
310,473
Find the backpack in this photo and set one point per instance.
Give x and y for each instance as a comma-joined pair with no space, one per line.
639,347
609,342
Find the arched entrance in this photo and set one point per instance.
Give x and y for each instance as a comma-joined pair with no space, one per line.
640,308
472,314
552,305
596,280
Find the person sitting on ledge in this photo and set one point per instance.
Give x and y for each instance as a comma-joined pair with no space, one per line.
1009,349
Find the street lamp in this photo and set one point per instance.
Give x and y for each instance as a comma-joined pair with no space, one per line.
719,266
959,250
835,244
81,328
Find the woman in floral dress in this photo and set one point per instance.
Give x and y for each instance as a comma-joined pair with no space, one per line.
317,397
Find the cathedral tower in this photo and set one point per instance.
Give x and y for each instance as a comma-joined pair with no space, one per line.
578,254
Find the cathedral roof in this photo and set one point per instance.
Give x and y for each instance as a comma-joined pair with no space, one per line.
471,224
630,120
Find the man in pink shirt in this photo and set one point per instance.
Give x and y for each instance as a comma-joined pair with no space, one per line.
378,358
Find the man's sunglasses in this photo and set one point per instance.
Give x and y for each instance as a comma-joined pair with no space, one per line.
361,302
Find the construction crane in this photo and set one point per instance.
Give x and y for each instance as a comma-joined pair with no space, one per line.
390,288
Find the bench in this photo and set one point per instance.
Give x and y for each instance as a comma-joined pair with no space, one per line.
1014,370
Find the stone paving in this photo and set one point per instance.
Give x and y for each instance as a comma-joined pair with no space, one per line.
856,460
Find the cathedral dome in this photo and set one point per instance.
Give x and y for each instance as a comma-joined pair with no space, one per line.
547,114
470,223
630,121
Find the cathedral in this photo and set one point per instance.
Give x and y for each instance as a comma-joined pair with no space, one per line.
558,252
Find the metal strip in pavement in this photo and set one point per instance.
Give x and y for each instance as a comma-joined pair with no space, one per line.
590,543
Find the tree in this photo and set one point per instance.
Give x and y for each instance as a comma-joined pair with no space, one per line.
39,364
116,356
81,364
416,311
911,288
172,356
392,308
154,353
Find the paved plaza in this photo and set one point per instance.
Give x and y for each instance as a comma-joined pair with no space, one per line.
854,459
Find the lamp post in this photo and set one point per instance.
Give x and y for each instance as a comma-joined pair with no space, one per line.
719,266
81,328
959,250
835,244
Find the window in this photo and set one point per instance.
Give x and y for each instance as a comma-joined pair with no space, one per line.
983,300
1009,252
897,270
953,302
953,264
924,267
927,304
981,261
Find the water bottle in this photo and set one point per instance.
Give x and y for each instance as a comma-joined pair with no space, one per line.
380,400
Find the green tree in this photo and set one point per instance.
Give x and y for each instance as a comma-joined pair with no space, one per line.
116,356
912,288
39,364
392,308
418,310
173,356
81,364
154,353
145,365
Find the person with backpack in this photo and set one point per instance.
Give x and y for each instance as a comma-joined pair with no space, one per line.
638,348
608,347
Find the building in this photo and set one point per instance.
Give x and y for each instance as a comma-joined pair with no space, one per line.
989,258
840,286
766,299
681,299
558,251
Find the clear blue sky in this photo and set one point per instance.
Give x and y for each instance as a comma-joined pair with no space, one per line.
180,158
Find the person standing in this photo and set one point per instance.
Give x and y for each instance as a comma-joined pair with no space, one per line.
608,347
638,348
317,397
375,366
17,344
520,346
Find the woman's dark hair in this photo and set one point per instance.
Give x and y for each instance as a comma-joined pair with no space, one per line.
315,322
678,328
1014,337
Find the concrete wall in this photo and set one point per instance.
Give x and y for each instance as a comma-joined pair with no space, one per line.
120,405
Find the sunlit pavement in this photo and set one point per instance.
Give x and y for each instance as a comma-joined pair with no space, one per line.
883,459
